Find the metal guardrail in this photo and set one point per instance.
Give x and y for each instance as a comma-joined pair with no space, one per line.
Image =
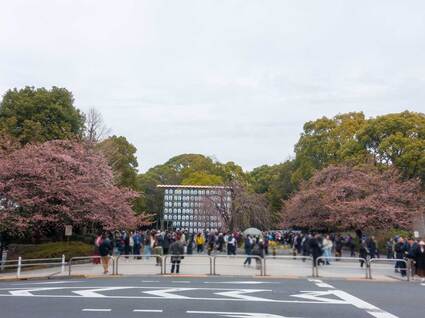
256,257
90,258
289,257
21,263
357,259
139,258
210,258
370,265
392,261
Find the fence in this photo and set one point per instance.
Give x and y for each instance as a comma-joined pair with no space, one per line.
138,264
340,265
36,265
83,261
344,267
289,265
192,264
243,268
390,266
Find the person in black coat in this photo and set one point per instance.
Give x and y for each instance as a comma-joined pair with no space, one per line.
315,248
371,246
419,258
176,251
363,252
401,250
248,245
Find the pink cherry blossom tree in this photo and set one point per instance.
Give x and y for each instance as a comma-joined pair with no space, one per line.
45,186
350,198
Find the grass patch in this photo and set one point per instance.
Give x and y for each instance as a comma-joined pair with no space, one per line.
49,250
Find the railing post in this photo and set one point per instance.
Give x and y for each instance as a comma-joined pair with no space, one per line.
367,269
265,266
3,260
409,269
369,264
165,265
211,265
63,264
214,259
117,260
313,268
18,271
69,269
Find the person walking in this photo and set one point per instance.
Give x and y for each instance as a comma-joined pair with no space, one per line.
220,242
248,245
137,241
371,246
199,241
315,248
401,250
105,250
389,245
363,253
419,258
327,249
176,251
231,245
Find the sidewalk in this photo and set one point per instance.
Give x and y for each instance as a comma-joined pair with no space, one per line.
225,266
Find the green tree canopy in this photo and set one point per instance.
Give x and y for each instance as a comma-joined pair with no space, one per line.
121,156
397,139
194,169
39,115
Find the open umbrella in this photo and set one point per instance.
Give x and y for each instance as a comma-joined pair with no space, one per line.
252,231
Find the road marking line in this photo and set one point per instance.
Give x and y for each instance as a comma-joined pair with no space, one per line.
238,314
96,309
242,283
361,304
240,294
167,293
94,292
315,280
334,302
324,285
28,292
147,310
320,283
150,281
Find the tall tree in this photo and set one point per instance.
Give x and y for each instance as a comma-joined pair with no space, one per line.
328,141
351,198
121,156
61,182
95,127
397,139
39,115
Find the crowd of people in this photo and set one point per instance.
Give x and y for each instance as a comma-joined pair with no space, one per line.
322,248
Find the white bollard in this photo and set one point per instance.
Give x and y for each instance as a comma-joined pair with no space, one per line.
63,264
18,272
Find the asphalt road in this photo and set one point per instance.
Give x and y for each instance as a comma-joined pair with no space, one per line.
210,297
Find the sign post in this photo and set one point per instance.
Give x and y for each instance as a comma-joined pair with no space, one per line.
68,232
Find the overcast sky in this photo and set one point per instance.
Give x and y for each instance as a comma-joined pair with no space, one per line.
234,80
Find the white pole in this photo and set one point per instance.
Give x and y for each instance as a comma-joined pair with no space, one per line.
18,272
63,264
